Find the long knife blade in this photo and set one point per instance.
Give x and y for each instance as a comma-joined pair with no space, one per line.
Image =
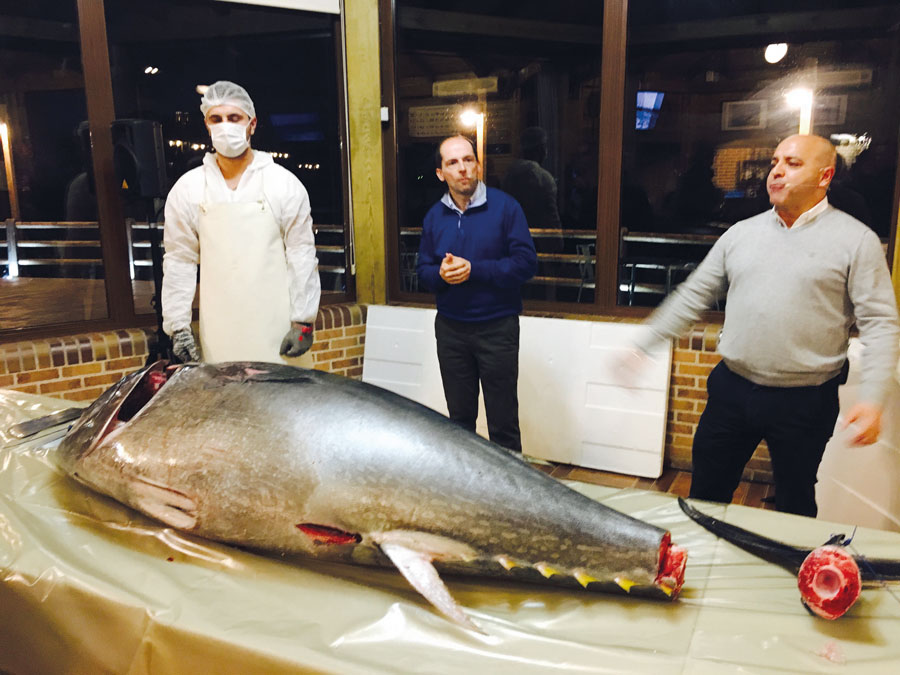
38,424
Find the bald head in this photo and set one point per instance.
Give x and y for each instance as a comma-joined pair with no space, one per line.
819,150
802,169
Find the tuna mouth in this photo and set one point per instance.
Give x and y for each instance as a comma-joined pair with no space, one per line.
144,390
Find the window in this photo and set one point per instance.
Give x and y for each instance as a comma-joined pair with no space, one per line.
160,52
701,165
47,191
532,84
75,250
648,105
669,108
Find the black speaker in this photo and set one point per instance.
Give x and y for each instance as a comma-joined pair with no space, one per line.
139,157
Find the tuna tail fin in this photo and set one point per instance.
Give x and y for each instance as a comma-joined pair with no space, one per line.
788,557
416,567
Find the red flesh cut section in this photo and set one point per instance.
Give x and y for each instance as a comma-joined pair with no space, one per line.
672,561
322,534
829,581
156,380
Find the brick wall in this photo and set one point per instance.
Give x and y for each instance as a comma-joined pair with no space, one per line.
340,339
81,367
730,160
77,368
693,359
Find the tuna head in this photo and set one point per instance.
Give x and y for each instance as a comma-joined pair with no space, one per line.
290,460
109,411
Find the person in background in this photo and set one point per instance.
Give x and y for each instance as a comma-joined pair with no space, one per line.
247,222
475,254
843,195
795,279
534,188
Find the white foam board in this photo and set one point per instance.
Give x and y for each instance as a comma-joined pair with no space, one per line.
859,485
571,408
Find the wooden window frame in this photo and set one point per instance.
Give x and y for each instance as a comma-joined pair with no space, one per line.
114,242
612,96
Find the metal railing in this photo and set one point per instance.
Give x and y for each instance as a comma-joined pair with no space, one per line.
573,265
72,249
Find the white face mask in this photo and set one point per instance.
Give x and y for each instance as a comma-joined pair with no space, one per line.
229,139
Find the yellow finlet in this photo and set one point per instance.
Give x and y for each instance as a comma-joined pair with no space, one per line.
584,578
625,584
668,590
546,570
506,562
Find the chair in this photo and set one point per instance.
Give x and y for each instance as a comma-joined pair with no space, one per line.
408,276
585,267
677,272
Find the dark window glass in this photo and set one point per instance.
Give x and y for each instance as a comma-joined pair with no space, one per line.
161,51
50,260
533,74
704,110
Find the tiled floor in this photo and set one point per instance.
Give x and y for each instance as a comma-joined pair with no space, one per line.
672,481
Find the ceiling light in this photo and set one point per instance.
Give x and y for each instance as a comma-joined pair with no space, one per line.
469,118
775,52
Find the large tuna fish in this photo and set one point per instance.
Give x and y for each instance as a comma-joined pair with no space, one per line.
292,460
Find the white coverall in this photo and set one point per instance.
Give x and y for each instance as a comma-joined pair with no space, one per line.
275,199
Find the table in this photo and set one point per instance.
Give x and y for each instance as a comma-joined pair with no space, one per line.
90,586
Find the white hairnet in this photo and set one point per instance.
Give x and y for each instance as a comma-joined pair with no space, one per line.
224,92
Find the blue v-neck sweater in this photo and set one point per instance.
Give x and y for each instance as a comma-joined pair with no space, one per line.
492,234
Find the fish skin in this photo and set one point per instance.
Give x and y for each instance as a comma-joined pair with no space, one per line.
262,455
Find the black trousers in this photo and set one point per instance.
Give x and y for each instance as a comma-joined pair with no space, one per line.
796,423
486,351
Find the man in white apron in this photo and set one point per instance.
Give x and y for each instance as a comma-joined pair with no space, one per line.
246,221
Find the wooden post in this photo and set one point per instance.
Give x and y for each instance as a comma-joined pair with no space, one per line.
10,173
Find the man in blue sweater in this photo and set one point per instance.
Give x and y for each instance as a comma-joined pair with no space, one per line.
475,254
796,278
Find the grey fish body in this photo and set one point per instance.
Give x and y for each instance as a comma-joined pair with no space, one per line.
299,461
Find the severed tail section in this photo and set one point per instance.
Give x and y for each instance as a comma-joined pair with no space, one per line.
783,555
829,578
829,581
789,557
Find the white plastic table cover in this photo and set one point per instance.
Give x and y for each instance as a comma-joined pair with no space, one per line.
90,586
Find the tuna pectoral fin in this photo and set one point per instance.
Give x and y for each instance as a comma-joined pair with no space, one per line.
172,507
421,574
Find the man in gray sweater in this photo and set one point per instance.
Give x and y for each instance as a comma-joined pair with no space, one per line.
795,279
